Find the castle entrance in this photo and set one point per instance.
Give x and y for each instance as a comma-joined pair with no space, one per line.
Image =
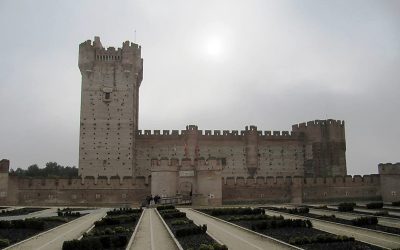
186,188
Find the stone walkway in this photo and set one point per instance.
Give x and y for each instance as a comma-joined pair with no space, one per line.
54,239
233,237
152,234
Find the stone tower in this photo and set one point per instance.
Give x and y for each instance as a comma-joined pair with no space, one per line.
109,108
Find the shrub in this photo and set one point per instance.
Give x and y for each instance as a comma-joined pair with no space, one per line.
181,222
174,215
5,224
105,241
121,211
119,241
4,242
299,210
250,217
205,247
346,207
396,203
267,224
193,229
83,244
166,207
375,205
233,211
320,238
381,213
368,220
115,220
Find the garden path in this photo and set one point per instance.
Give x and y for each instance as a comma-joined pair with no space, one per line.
54,238
152,234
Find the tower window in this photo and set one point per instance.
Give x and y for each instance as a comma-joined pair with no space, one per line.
107,96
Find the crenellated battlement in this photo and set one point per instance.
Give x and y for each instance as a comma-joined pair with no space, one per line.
91,52
318,123
339,181
217,133
389,168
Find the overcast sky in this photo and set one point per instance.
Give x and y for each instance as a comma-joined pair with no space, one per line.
217,64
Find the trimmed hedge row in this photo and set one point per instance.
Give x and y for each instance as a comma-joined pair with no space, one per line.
267,224
298,210
125,210
116,220
181,222
94,243
346,207
192,229
173,215
233,211
375,205
4,242
68,213
367,220
381,213
396,203
165,207
30,223
320,238
249,217
214,246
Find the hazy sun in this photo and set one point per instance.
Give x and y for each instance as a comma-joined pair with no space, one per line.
214,47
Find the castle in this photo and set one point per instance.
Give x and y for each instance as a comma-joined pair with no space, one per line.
120,164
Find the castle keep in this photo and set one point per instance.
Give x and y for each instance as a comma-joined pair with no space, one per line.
120,164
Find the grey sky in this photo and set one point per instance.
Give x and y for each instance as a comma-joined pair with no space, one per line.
217,64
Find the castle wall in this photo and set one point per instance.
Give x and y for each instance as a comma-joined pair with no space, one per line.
105,192
309,150
389,177
4,167
299,189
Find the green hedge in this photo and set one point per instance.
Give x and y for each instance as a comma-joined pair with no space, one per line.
375,205
193,229
4,242
346,207
396,203
249,217
267,224
173,215
181,222
214,246
116,220
367,220
233,211
166,207
68,214
299,210
95,243
124,211
31,223
320,238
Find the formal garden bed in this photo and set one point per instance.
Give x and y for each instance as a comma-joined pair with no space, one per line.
189,235
21,211
13,231
297,232
370,222
349,207
111,232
